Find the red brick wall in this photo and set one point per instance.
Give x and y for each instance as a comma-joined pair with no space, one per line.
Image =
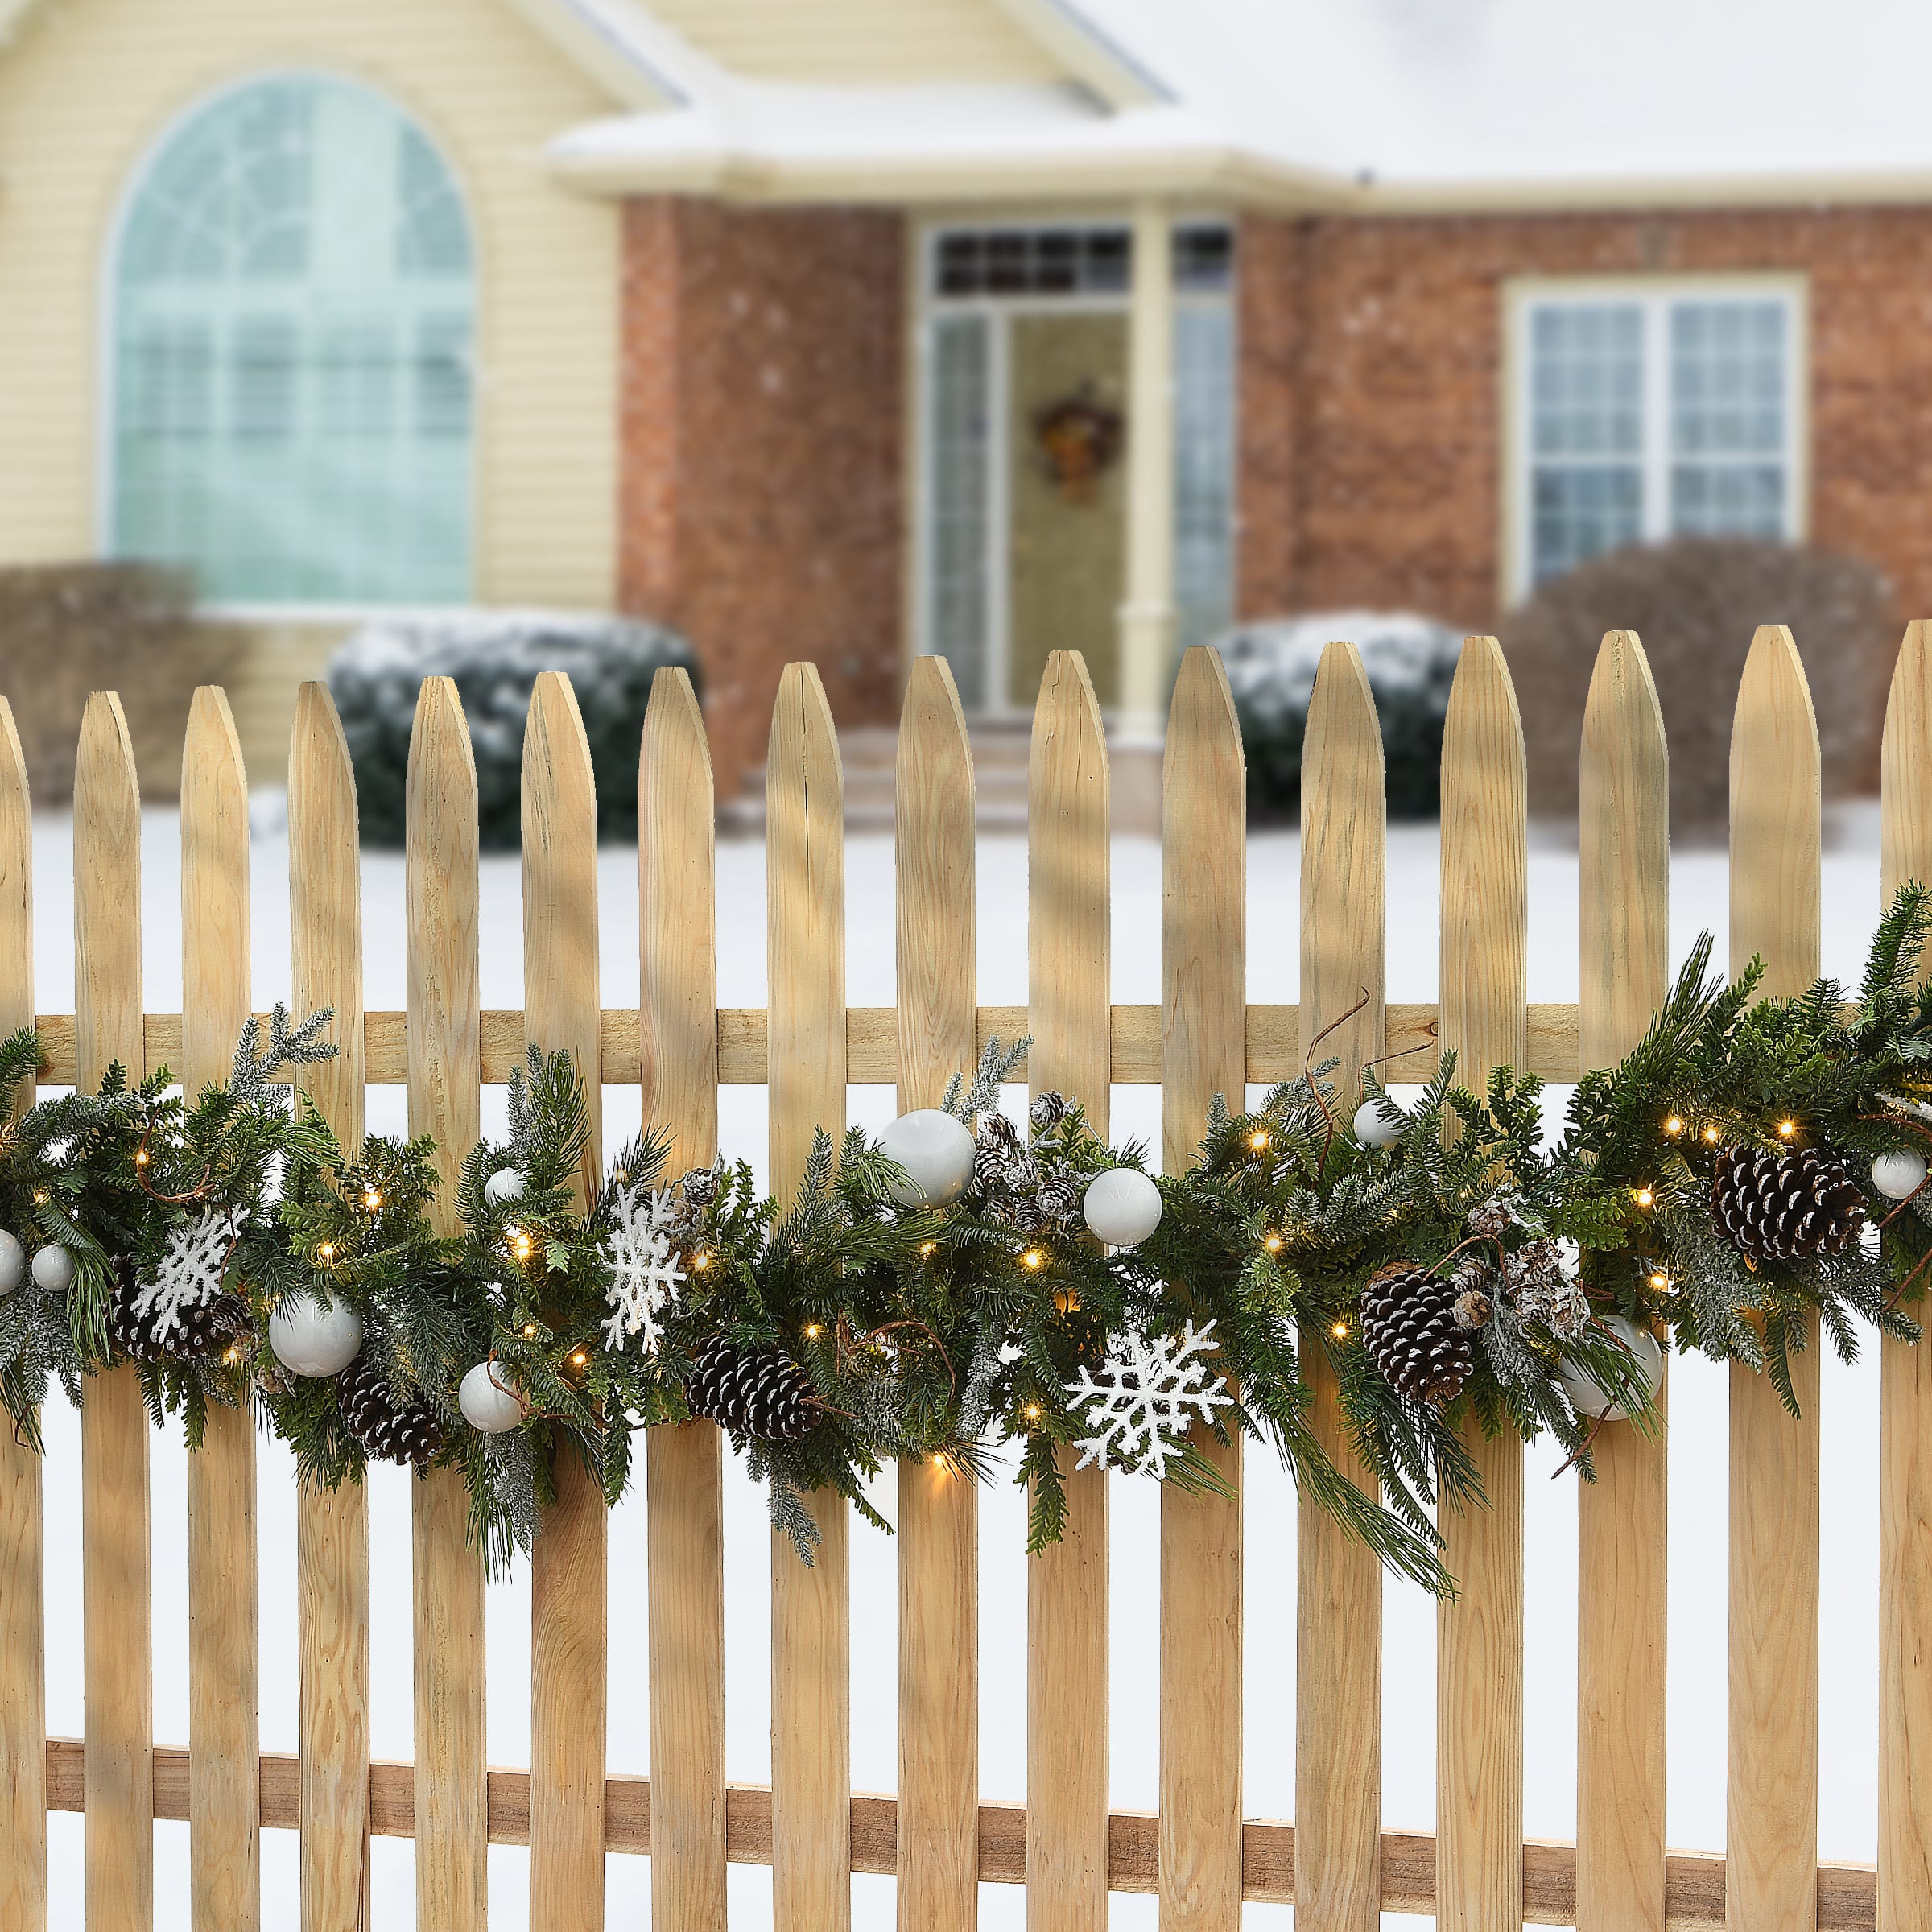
763,411
1371,408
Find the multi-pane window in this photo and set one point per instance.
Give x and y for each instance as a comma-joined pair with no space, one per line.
1653,415
294,310
1095,261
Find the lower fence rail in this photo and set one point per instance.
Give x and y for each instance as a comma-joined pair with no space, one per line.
1848,1894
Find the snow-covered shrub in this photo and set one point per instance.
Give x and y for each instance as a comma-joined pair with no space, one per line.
1410,661
495,656
1694,603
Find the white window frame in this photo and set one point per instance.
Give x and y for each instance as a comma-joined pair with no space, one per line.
923,258
1654,296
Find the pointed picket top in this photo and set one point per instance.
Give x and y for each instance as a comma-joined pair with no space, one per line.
1068,811
107,885
804,761
677,934
325,901
1905,766
1775,841
934,855
1344,864
214,889
1625,840
559,786
1485,883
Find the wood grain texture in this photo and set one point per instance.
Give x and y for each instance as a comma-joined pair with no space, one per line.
331,1526
677,900
1771,1835
1479,1637
1203,997
440,886
1625,911
224,1828
115,1612
937,1504
569,1564
23,1601
1338,1769
811,1624
1068,868
1905,1494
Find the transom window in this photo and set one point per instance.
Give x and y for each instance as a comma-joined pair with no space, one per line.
293,314
1096,261
1654,414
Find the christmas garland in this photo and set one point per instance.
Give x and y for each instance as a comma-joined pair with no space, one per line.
954,1286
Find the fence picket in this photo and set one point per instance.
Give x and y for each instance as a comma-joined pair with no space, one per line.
1204,1052
445,1101
1068,989
939,1836
23,1604
117,1611
1625,914
331,1526
570,1565
811,1634
1771,1835
684,1466
223,1800
1485,968
1905,1494
1338,1763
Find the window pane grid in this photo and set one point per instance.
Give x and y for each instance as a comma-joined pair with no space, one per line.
293,381
1034,262
1655,416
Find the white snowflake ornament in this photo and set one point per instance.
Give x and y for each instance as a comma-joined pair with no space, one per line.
645,1276
1148,1390
190,1272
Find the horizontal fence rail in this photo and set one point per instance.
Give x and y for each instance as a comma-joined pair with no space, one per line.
938,1833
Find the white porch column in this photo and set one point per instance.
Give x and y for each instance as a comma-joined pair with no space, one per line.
1147,616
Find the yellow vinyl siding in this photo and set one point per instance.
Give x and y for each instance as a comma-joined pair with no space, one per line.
89,87
861,43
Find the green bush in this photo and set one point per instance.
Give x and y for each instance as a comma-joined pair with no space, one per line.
495,657
1410,661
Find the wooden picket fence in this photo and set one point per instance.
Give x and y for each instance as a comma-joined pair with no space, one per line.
940,1837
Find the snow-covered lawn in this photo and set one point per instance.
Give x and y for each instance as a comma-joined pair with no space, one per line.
1847,1728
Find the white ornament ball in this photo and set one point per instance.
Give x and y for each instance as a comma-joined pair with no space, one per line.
505,1184
13,1262
55,1269
936,1152
1122,1207
1896,1176
1374,1128
1589,1397
310,1339
489,1405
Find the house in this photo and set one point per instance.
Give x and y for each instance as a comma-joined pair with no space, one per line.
853,328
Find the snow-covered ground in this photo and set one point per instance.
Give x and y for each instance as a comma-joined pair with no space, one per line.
1848,1801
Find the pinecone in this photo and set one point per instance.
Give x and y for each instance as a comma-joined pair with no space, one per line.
411,1434
1472,1308
989,1165
1786,1207
756,1392
996,1130
1489,1218
1060,1200
1410,1329
1048,1110
699,1187
196,1334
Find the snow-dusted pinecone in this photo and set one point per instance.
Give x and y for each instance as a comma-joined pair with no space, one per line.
1410,1329
1543,1289
1047,1111
699,1187
1060,1200
1786,1207
1472,1308
197,1332
989,1165
411,1434
1489,1218
756,1392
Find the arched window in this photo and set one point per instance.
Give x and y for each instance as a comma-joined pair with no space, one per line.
293,304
